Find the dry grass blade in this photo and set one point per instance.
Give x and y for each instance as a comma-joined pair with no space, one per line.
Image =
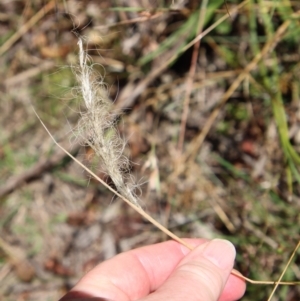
97,130
25,75
125,101
17,35
132,21
284,270
190,79
132,205
196,144
213,26
31,173
147,216
238,187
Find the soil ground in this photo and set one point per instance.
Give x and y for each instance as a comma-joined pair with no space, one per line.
219,161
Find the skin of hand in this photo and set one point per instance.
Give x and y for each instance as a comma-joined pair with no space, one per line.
166,271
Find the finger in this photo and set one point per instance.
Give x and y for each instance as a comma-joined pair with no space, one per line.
234,289
134,274
200,276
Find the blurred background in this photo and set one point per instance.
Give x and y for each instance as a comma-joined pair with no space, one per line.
212,131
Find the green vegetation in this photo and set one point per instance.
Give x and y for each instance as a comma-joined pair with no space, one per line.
241,180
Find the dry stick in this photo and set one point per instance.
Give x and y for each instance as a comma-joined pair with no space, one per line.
193,149
210,28
190,79
146,215
176,85
25,75
215,203
199,140
284,270
127,22
138,209
189,86
33,172
17,35
127,101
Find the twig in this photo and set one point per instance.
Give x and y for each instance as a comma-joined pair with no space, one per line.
132,205
190,79
146,215
126,100
17,35
33,172
192,151
25,75
196,144
131,21
214,200
284,270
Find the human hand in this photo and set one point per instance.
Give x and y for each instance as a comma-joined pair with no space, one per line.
164,272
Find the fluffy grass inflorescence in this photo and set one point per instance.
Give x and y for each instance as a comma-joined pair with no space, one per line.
97,129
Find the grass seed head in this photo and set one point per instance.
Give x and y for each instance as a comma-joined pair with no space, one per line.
97,128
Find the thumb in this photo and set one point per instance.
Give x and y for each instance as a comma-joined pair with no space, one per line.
200,276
